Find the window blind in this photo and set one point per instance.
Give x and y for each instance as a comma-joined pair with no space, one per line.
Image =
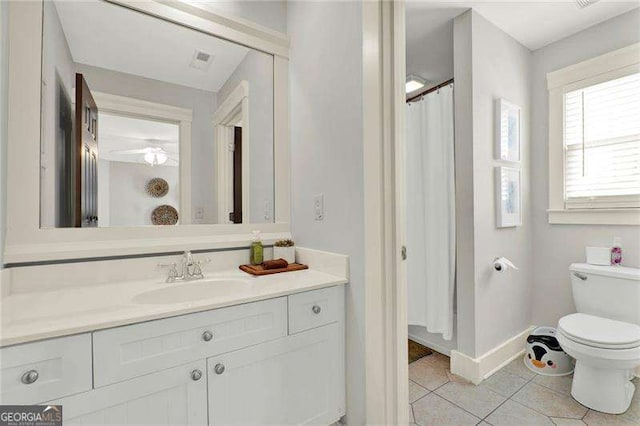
602,144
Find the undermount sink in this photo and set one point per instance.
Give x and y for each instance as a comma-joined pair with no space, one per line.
193,291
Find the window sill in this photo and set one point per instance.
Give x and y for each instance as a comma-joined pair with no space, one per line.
595,217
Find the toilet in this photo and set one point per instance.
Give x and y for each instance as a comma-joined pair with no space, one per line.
603,336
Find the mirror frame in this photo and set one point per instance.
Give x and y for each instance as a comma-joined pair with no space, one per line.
26,242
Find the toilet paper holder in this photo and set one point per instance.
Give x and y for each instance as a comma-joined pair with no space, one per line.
502,263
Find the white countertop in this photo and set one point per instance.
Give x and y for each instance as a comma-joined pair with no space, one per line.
26,317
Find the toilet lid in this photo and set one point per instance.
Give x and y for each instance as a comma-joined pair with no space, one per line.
600,332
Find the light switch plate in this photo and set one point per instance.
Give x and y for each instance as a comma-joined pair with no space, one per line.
198,213
318,206
267,210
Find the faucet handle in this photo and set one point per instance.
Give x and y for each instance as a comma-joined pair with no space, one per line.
197,271
173,271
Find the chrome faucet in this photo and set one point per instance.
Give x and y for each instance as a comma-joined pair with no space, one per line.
191,269
187,262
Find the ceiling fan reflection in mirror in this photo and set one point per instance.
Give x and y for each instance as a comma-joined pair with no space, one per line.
152,155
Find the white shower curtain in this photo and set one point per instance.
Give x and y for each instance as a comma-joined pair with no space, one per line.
430,215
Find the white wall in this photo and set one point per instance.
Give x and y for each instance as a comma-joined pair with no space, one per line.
201,102
4,36
269,13
129,203
501,69
555,247
257,69
495,306
463,130
429,49
57,65
327,154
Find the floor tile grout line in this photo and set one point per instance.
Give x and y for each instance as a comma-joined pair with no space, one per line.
463,409
413,414
416,383
508,399
557,392
454,404
545,414
448,381
426,394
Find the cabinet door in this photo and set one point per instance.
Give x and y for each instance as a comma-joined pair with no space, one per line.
298,379
168,397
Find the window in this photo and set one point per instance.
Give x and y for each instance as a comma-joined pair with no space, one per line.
594,140
602,144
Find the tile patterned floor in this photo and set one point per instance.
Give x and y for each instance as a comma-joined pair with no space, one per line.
513,396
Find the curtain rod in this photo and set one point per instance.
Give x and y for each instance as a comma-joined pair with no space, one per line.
429,90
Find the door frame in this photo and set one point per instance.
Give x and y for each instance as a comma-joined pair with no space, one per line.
234,107
384,199
136,108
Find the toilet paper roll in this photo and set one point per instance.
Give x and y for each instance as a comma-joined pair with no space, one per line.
502,263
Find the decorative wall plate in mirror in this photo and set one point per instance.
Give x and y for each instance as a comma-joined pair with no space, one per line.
112,94
164,215
157,187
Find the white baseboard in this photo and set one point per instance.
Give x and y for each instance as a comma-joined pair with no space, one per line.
436,347
477,369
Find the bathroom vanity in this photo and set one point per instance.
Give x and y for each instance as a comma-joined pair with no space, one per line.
266,350
86,319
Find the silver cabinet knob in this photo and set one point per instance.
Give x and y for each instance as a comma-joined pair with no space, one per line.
207,336
29,377
316,309
196,375
219,368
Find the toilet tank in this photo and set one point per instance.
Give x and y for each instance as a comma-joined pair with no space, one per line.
607,291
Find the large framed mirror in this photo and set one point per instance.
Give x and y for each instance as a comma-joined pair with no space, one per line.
145,122
156,121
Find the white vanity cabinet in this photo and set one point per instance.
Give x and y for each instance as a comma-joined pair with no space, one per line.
175,396
295,380
276,361
124,352
44,370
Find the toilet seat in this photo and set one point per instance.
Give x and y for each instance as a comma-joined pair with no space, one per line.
600,332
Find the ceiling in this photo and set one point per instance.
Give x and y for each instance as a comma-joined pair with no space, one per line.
117,133
112,37
533,23
430,44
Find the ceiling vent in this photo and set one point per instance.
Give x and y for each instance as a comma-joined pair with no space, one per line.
201,60
585,3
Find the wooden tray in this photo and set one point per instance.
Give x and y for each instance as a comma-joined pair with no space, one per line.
259,270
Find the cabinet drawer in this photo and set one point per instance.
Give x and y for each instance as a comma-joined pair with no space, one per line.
59,367
315,308
125,352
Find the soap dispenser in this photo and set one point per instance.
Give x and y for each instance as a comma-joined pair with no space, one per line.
616,252
256,257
